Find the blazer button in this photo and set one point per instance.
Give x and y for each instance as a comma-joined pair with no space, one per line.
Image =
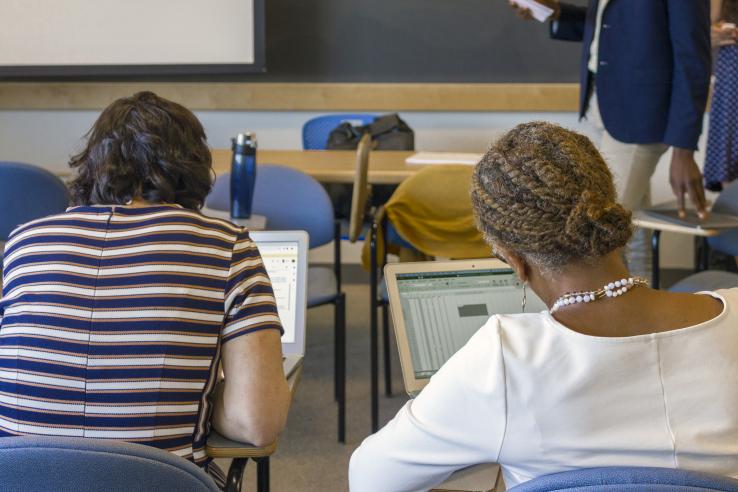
603,63
605,26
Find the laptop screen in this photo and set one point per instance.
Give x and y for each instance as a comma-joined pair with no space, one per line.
442,310
280,261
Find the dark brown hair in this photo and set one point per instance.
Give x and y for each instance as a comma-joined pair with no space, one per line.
546,193
144,146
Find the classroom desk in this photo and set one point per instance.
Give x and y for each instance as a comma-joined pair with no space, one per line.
330,166
647,221
254,223
218,446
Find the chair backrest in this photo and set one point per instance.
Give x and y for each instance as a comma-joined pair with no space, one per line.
315,131
727,203
290,200
631,479
361,190
26,193
39,463
432,211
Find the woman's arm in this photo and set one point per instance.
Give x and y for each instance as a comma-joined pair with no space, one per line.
253,402
458,420
251,406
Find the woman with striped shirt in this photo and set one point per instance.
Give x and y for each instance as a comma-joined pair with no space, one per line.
116,315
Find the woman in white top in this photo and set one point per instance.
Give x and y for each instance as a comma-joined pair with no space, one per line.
636,377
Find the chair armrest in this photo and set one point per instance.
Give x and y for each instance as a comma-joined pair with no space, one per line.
646,221
218,446
477,478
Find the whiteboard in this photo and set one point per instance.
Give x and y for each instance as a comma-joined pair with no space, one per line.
110,33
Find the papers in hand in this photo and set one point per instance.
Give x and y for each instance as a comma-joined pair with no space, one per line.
539,11
428,158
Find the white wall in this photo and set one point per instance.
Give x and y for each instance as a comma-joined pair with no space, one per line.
48,138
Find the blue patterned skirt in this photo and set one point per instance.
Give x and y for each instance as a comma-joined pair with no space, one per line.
721,163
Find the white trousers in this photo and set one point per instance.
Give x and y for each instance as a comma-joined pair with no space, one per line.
632,166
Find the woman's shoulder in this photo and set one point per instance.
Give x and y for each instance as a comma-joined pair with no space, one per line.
508,331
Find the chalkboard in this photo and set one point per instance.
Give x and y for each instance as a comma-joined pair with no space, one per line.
410,41
455,41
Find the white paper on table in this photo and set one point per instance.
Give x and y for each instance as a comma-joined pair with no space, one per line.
540,12
430,158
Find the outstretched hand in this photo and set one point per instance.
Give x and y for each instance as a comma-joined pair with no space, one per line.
685,178
723,34
525,13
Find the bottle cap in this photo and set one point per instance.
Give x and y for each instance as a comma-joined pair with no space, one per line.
246,138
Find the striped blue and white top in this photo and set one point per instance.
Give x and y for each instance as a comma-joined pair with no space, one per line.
112,320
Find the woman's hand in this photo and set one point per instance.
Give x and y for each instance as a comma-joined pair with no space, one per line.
686,179
723,34
525,13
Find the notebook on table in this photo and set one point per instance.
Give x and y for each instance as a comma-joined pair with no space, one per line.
438,305
285,258
443,158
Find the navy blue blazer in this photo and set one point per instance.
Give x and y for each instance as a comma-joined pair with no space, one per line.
653,73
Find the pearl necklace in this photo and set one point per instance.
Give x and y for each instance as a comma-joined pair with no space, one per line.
613,289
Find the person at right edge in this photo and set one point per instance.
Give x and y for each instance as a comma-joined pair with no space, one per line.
645,77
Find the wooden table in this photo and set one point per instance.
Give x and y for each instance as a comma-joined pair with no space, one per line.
218,446
330,166
647,221
254,223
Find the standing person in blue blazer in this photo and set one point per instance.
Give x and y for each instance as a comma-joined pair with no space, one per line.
645,77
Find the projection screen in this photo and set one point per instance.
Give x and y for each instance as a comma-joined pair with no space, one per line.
130,37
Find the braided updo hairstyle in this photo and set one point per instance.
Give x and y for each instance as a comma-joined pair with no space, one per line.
545,193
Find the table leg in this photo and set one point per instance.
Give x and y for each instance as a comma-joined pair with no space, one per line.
262,474
655,240
341,364
235,474
704,262
386,346
373,335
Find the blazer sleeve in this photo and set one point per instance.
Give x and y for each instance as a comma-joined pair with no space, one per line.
570,26
458,420
689,31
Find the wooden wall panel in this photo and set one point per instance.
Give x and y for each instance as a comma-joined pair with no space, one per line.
298,96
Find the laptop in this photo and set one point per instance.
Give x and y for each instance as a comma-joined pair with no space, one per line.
438,305
285,258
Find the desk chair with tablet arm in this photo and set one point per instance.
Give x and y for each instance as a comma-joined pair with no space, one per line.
630,479
725,242
436,210
359,213
292,200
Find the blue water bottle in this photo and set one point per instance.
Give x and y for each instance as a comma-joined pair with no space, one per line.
243,175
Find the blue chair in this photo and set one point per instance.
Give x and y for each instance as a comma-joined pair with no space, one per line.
726,203
26,193
293,200
630,479
41,463
316,130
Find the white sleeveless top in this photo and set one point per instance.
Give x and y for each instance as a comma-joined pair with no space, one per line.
539,398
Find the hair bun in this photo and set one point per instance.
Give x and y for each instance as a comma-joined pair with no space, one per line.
597,224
